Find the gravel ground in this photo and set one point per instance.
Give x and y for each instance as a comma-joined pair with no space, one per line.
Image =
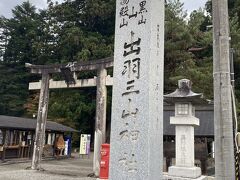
64,169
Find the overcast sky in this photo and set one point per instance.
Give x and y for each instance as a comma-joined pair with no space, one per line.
7,5
191,5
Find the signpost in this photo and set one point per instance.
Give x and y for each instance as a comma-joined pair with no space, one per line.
85,141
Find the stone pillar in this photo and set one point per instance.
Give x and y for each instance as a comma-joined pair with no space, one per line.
185,146
41,122
137,109
100,124
184,167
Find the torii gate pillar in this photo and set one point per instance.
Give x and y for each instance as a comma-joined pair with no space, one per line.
41,122
100,125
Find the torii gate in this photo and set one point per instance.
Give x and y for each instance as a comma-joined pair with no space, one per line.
101,81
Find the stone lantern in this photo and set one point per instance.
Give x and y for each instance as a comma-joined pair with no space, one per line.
184,100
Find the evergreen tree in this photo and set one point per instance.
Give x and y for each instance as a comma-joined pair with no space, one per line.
17,47
77,33
177,42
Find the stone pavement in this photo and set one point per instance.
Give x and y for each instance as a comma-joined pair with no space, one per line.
63,169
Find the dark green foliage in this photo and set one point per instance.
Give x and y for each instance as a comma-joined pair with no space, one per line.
72,31
177,41
16,42
74,108
11,90
22,34
188,49
82,29
234,14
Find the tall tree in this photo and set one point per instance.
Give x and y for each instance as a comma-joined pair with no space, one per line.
177,42
78,30
188,48
17,44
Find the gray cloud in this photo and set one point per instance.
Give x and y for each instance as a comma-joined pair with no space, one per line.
191,5
6,6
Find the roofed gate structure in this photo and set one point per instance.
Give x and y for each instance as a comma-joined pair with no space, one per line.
68,71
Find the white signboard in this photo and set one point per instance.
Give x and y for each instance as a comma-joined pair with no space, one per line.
66,148
85,144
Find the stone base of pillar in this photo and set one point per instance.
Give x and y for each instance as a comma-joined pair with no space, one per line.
185,172
167,177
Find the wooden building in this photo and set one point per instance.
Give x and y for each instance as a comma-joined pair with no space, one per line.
17,137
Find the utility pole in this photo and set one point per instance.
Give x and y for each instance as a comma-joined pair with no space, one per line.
232,67
223,119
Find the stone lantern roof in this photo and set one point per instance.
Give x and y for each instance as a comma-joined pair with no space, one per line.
184,94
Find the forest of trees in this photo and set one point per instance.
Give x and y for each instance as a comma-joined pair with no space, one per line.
82,30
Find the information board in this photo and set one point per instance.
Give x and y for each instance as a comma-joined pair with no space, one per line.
85,141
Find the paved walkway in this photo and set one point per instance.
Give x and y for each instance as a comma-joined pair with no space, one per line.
64,169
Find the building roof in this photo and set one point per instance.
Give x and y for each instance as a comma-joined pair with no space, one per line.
206,119
30,124
204,113
184,93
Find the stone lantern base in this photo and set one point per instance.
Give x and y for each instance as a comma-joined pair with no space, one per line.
185,172
167,177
